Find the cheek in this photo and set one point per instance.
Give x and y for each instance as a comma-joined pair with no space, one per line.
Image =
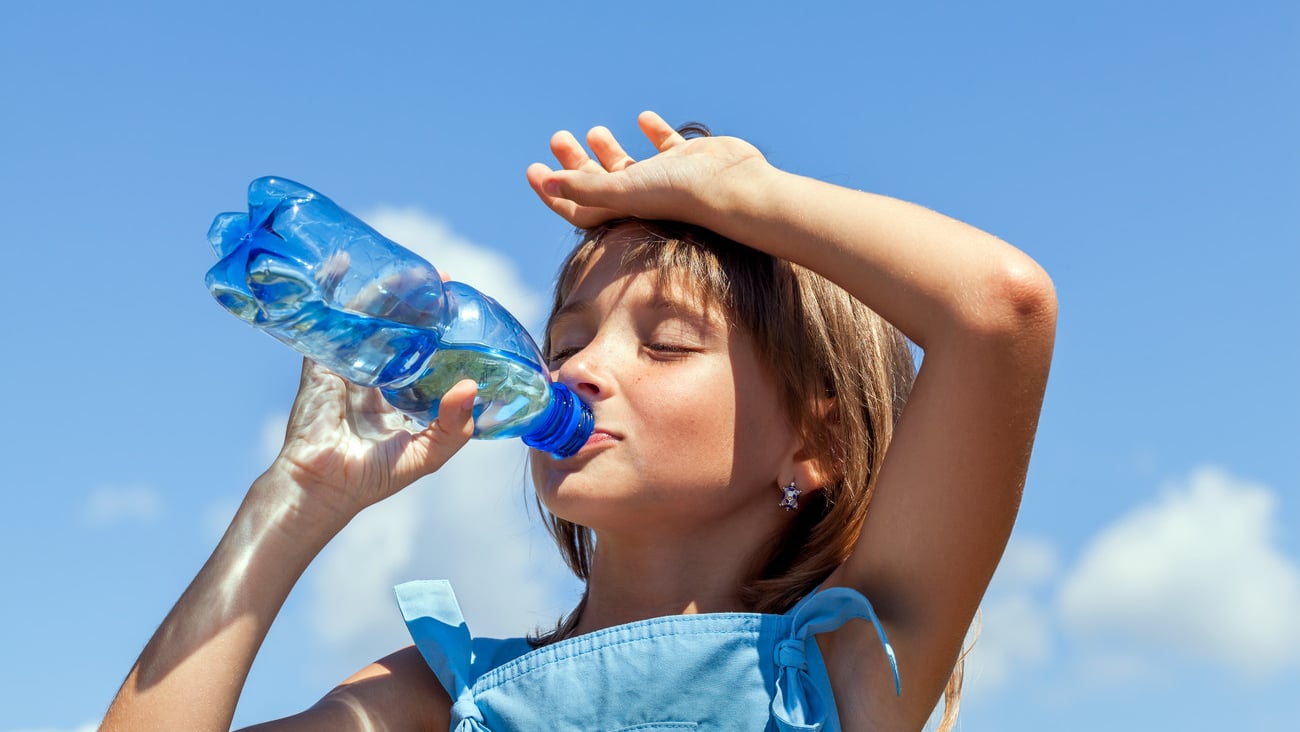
760,416
695,425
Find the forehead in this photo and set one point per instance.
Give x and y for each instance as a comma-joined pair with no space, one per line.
630,254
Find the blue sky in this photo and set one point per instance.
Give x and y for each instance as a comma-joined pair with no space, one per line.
1145,153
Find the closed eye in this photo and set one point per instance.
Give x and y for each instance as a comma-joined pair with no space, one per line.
555,358
669,349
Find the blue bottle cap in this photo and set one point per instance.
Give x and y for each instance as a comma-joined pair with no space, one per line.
564,427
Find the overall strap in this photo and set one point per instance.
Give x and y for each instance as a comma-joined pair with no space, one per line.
798,705
434,619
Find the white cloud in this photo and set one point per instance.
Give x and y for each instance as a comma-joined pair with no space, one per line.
488,271
112,505
1015,627
1029,561
1197,572
1105,668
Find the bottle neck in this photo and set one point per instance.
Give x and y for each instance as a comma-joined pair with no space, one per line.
563,428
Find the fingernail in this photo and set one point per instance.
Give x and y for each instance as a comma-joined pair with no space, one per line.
551,187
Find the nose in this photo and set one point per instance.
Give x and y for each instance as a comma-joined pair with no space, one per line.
586,374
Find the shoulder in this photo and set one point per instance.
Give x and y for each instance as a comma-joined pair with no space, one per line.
398,691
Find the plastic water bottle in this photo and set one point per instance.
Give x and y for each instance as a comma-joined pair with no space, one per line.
317,278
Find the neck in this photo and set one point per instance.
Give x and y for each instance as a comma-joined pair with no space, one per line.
635,577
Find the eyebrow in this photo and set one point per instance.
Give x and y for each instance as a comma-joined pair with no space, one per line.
570,309
699,313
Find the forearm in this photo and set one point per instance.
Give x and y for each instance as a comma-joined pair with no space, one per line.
930,275
192,671
938,280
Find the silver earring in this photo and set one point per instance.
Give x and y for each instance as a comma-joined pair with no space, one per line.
790,501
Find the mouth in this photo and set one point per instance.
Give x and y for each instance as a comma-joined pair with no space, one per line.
600,439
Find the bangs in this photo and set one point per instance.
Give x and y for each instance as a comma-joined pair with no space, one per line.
697,265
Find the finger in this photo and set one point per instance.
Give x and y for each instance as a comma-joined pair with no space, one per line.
306,377
454,425
550,186
333,269
371,417
571,154
610,154
321,399
314,375
308,372
660,133
398,296
458,403
428,450
540,179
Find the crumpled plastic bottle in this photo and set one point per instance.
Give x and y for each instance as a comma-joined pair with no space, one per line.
299,267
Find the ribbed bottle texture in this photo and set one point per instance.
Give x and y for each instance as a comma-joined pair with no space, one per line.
320,280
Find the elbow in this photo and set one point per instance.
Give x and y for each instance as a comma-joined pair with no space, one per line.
1028,291
1017,302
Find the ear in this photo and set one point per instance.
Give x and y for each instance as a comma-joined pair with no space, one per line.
807,468
808,472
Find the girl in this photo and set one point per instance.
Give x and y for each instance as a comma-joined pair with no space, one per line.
752,480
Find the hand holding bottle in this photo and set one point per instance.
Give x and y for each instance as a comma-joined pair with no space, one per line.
346,448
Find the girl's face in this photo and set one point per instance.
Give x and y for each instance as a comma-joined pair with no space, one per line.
688,424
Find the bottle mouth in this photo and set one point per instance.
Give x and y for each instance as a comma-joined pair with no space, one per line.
564,427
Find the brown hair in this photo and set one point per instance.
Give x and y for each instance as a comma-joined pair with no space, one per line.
842,372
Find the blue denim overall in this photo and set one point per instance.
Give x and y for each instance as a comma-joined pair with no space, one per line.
716,671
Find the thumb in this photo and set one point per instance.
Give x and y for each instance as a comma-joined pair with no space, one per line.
447,434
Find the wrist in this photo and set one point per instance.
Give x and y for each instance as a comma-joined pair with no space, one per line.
744,194
280,501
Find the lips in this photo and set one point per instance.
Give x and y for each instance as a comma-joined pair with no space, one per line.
599,439
600,436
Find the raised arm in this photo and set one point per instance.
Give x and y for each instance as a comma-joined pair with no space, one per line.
983,312
344,450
